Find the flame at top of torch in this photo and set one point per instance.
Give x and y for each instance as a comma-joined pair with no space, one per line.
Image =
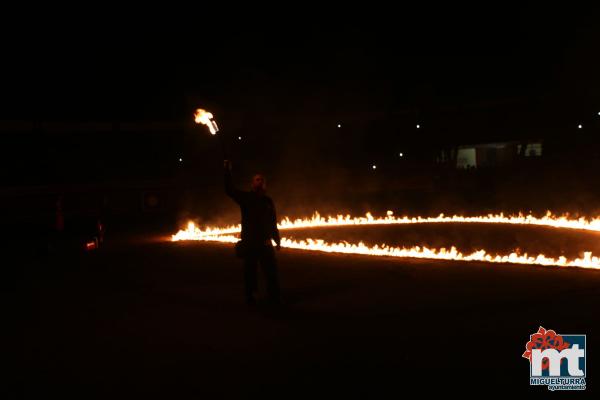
206,118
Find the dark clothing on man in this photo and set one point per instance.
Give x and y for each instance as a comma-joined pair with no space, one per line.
259,227
265,255
259,221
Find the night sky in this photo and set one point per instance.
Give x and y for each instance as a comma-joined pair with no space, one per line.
285,80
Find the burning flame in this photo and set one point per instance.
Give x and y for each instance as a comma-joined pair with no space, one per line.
206,118
227,235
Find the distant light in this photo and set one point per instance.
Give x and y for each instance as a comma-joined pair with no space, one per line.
339,125
180,159
401,154
239,138
580,126
418,126
374,166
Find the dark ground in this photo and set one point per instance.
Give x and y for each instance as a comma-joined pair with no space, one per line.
150,317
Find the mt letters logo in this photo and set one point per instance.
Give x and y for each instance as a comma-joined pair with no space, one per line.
556,361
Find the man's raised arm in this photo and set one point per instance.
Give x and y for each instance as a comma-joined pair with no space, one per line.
230,190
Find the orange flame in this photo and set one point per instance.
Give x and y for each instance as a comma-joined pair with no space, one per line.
226,234
206,118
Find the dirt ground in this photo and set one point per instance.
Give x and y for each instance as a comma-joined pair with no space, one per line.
150,317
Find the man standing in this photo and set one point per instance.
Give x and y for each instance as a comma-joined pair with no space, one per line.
259,227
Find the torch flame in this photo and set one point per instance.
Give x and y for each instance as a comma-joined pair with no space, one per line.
227,235
206,118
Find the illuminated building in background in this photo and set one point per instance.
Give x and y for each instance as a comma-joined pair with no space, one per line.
495,154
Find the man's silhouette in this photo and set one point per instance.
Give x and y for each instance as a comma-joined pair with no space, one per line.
259,227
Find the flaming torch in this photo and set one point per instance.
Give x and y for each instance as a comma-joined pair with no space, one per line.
204,117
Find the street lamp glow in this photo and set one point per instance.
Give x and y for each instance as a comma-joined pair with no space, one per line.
339,125
580,126
401,154
374,166
180,159
418,126
239,138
